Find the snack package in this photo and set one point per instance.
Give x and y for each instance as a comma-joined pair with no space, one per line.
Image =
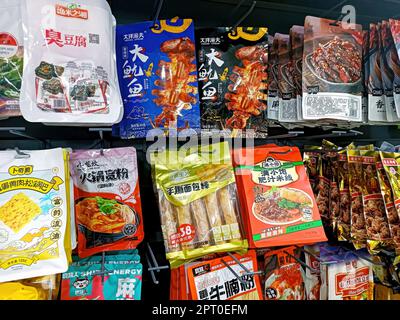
273,90
198,202
33,214
87,282
296,47
287,88
365,75
65,79
394,61
378,233
233,80
376,102
357,224
39,288
111,259
343,224
332,86
283,279
107,200
157,76
390,189
312,279
11,57
276,197
311,162
387,51
213,280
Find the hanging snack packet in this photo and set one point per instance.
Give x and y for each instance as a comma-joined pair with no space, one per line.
107,200
33,213
157,76
332,60
283,279
287,89
343,224
312,278
365,75
296,47
198,202
11,57
276,197
213,280
65,78
110,282
378,233
376,102
387,49
391,164
273,91
394,61
357,227
233,79
311,162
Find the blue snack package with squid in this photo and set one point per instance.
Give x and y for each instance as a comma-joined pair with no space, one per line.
157,78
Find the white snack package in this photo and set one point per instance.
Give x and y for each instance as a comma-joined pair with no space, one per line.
69,63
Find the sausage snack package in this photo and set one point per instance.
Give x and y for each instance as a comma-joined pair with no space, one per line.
378,233
283,275
357,224
108,210
233,80
312,277
276,197
332,86
198,202
394,60
157,75
391,193
65,79
11,57
343,224
34,215
213,280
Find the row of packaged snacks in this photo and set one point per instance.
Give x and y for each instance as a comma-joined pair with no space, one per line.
171,77
55,201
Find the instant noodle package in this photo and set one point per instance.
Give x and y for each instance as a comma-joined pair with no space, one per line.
158,79
65,79
108,210
34,214
198,202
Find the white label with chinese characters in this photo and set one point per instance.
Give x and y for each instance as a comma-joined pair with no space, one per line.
287,110
376,108
390,107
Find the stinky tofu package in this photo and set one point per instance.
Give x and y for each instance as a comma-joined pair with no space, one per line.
198,202
287,90
273,90
284,276
108,210
332,86
276,197
393,57
233,80
296,47
65,79
33,214
213,280
111,281
157,76
11,57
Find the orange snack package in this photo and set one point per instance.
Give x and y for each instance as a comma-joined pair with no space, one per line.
276,197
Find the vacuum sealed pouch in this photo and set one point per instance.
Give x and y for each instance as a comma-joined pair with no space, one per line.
296,48
394,62
273,90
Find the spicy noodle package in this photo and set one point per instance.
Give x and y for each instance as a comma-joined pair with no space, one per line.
276,197
157,74
198,202
69,71
107,200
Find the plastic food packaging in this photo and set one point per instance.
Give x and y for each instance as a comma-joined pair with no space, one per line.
312,277
34,239
233,80
212,279
65,79
198,202
365,75
394,61
332,86
108,210
11,57
296,48
276,197
157,75
343,227
273,90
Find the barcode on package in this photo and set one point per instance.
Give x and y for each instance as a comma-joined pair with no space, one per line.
59,104
332,106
